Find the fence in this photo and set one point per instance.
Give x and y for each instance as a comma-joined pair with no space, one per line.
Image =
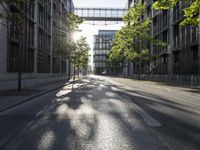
188,80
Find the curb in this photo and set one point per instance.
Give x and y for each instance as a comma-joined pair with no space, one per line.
34,96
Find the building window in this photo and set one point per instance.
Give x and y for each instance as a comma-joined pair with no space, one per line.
194,33
165,19
31,35
195,53
176,36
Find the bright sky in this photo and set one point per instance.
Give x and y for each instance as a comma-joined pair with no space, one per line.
89,30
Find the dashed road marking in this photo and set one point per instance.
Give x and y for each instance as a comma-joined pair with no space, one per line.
150,120
147,118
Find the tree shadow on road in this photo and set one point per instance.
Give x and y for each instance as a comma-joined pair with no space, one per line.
71,120
174,124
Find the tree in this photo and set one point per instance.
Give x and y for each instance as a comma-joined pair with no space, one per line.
72,25
73,21
14,15
116,56
191,13
12,12
62,47
65,46
64,43
133,40
80,56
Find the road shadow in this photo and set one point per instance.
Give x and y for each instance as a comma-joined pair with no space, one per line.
70,120
194,91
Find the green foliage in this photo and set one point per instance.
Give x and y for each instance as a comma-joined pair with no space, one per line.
191,13
62,48
80,57
66,47
132,40
15,15
164,4
73,21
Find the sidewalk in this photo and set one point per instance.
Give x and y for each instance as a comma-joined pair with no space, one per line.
161,86
12,98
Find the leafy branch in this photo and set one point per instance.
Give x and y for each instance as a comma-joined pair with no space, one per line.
191,13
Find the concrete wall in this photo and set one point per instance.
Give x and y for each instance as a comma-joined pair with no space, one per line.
26,76
29,81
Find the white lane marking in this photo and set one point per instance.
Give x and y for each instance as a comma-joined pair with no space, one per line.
147,118
150,120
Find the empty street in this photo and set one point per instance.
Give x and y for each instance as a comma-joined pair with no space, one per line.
100,113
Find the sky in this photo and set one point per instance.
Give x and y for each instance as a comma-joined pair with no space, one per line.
89,30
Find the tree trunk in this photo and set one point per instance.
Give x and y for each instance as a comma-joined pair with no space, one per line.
74,73
69,69
20,59
116,70
78,72
140,69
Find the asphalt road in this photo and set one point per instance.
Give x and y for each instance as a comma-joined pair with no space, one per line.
103,113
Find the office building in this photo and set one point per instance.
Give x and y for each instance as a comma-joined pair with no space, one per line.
181,56
102,47
33,49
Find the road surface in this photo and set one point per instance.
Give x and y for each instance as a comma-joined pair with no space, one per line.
104,113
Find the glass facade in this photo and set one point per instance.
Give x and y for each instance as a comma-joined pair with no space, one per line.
42,23
102,47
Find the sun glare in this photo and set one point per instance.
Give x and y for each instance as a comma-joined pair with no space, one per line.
76,36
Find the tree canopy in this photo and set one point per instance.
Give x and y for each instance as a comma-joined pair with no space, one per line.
80,55
14,14
191,13
65,44
73,21
131,42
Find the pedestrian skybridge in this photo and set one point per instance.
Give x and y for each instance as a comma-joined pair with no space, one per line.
101,14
